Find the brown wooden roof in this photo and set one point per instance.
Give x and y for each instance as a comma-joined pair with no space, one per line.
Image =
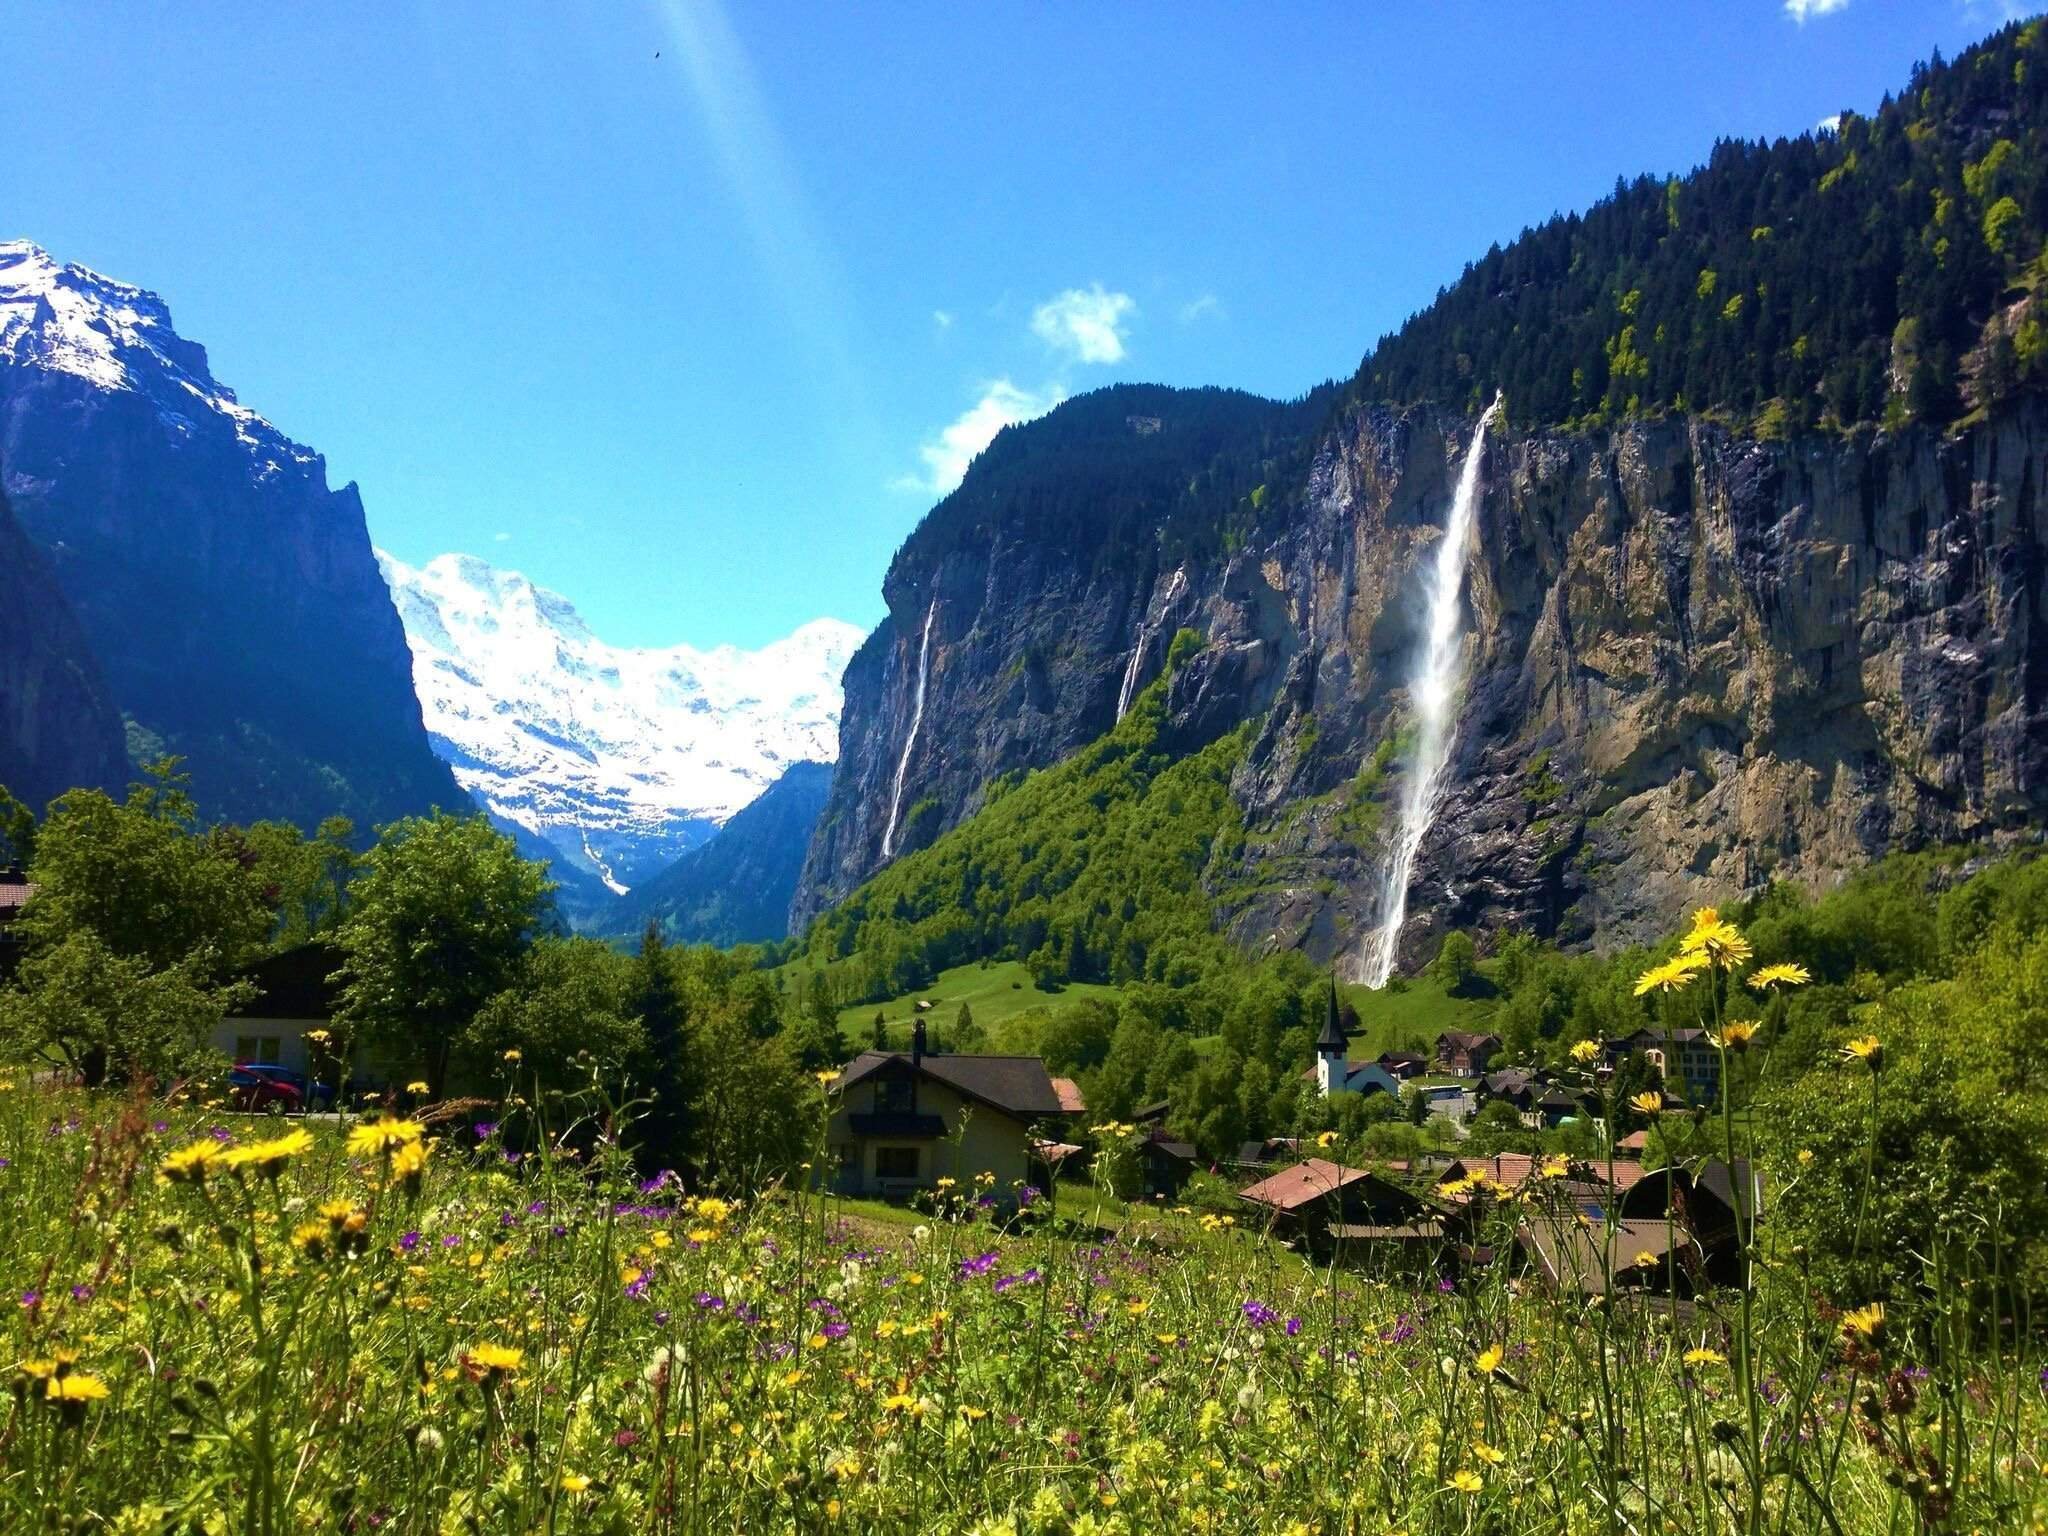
1018,1086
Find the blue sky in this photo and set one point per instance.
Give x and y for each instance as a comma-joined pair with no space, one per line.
696,338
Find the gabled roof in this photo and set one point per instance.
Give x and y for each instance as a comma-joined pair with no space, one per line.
1580,1257
1303,1184
1466,1039
1069,1093
293,984
1018,1086
14,893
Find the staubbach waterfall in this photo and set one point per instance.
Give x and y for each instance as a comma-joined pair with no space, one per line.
1434,693
924,654
1147,627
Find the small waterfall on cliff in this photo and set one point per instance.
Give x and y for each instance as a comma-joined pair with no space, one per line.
924,655
1147,629
1434,693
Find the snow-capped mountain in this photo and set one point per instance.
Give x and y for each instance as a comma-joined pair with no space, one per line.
227,595
618,760
64,318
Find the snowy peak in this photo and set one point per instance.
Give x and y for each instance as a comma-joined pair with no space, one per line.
618,759
67,319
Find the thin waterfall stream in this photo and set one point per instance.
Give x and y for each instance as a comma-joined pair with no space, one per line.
924,655
1434,693
1147,629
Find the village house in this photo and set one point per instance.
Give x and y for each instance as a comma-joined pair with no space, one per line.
1681,1056
1334,1071
14,894
903,1120
1318,1202
1461,1053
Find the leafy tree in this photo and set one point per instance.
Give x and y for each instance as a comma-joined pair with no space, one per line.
569,998
110,1016
304,880
757,1113
145,879
17,831
814,1036
438,924
1498,1128
1455,962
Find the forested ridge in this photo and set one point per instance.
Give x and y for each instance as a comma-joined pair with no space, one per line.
1879,273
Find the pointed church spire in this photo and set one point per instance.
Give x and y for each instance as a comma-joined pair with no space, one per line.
1332,1038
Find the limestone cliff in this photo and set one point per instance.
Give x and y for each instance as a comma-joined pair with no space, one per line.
1698,662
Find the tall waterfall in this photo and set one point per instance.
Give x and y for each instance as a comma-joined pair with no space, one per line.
1434,692
1147,629
924,656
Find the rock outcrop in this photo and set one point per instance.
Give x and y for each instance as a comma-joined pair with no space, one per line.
1698,663
58,730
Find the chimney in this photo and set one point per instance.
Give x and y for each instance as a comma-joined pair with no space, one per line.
917,1043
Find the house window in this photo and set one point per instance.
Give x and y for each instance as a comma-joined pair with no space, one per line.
896,1162
258,1048
896,1096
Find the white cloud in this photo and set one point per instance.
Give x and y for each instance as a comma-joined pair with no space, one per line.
1829,124
501,538
1803,11
1088,322
947,455
1198,309
943,319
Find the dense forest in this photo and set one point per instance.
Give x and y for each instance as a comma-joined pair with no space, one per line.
1878,273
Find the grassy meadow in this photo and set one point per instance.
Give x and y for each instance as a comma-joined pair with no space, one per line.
482,1320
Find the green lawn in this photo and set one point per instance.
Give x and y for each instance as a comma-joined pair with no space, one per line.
1414,1017
993,993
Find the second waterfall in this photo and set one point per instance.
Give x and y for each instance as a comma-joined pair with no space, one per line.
1434,693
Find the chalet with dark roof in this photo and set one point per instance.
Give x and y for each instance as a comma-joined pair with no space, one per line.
903,1120
1463,1053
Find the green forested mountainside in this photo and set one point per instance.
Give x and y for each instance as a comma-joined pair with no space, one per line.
1132,469
1880,273
1089,871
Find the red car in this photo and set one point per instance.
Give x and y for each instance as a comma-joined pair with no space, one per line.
257,1093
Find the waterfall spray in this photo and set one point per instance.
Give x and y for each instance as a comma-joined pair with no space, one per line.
924,653
1434,693
1147,629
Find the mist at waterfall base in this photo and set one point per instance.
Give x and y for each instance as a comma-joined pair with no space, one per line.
924,652
1434,693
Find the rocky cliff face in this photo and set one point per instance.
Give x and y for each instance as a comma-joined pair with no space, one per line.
1697,663
58,730
231,597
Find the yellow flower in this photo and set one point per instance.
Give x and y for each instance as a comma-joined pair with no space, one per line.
188,1164
310,1238
74,1387
514,1057
1673,974
1465,1480
269,1157
574,1482
1554,1168
1585,1051
1489,1359
1492,1456
1865,1322
1705,1356
1721,943
1327,1139
497,1359
827,1077
418,1086
1781,975
1137,1308
713,1210
382,1137
1650,1103
1645,1260
1867,1049
409,1162
1736,1036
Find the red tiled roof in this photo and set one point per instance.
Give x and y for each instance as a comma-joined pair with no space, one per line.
14,893
1070,1097
1304,1183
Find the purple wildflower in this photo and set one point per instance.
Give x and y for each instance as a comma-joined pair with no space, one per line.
1258,1313
979,1265
410,1241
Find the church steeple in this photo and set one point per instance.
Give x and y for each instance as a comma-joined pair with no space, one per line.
1333,1049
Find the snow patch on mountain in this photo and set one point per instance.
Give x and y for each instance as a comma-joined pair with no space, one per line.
619,759
64,318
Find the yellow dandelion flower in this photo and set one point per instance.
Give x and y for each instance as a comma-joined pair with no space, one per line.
1649,1103
514,1057
74,1387
1327,1139
575,1482
713,1210
497,1359
418,1085
1489,1359
1137,1308
1867,1049
409,1162
1585,1051
1493,1456
1645,1260
269,1157
374,1138
1466,1481
1865,1322
1554,1168
1704,1356
188,1164
1782,974
1736,1036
